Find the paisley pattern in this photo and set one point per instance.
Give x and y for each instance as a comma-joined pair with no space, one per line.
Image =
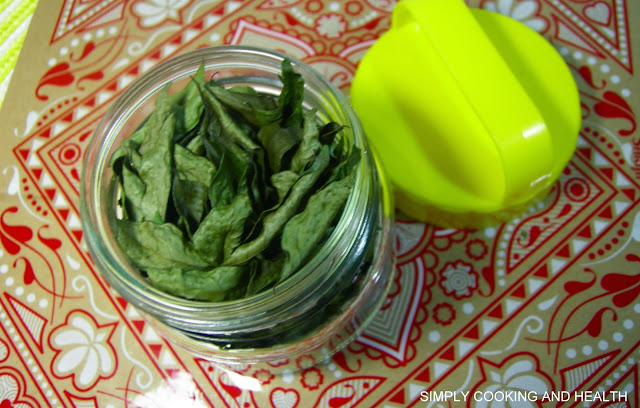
549,302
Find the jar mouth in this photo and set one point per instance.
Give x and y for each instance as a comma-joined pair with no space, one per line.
98,204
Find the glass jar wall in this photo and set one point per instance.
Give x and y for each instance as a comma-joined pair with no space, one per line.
319,309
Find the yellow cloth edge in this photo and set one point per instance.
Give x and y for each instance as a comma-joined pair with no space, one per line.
8,25
24,10
8,60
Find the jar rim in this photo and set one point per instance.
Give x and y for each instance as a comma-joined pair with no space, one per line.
193,313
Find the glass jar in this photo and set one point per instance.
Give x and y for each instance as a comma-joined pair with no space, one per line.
316,312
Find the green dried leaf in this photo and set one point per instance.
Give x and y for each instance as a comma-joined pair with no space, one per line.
265,274
328,132
282,182
277,142
229,125
126,148
291,97
186,105
215,284
242,210
151,245
257,109
221,190
309,146
133,190
155,169
304,231
190,199
192,167
345,165
196,146
274,221
221,230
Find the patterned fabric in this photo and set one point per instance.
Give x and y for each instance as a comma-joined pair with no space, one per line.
15,16
543,311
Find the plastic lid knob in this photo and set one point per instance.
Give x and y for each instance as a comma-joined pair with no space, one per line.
473,114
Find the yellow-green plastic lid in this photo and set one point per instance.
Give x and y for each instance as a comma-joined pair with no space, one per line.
473,114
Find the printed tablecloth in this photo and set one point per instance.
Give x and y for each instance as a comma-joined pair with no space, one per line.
541,311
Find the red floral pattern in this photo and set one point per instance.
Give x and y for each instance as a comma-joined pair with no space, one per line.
550,300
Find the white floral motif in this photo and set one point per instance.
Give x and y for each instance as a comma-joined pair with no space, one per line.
154,12
11,387
515,378
8,388
523,11
331,25
4,351
458,279
83,350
